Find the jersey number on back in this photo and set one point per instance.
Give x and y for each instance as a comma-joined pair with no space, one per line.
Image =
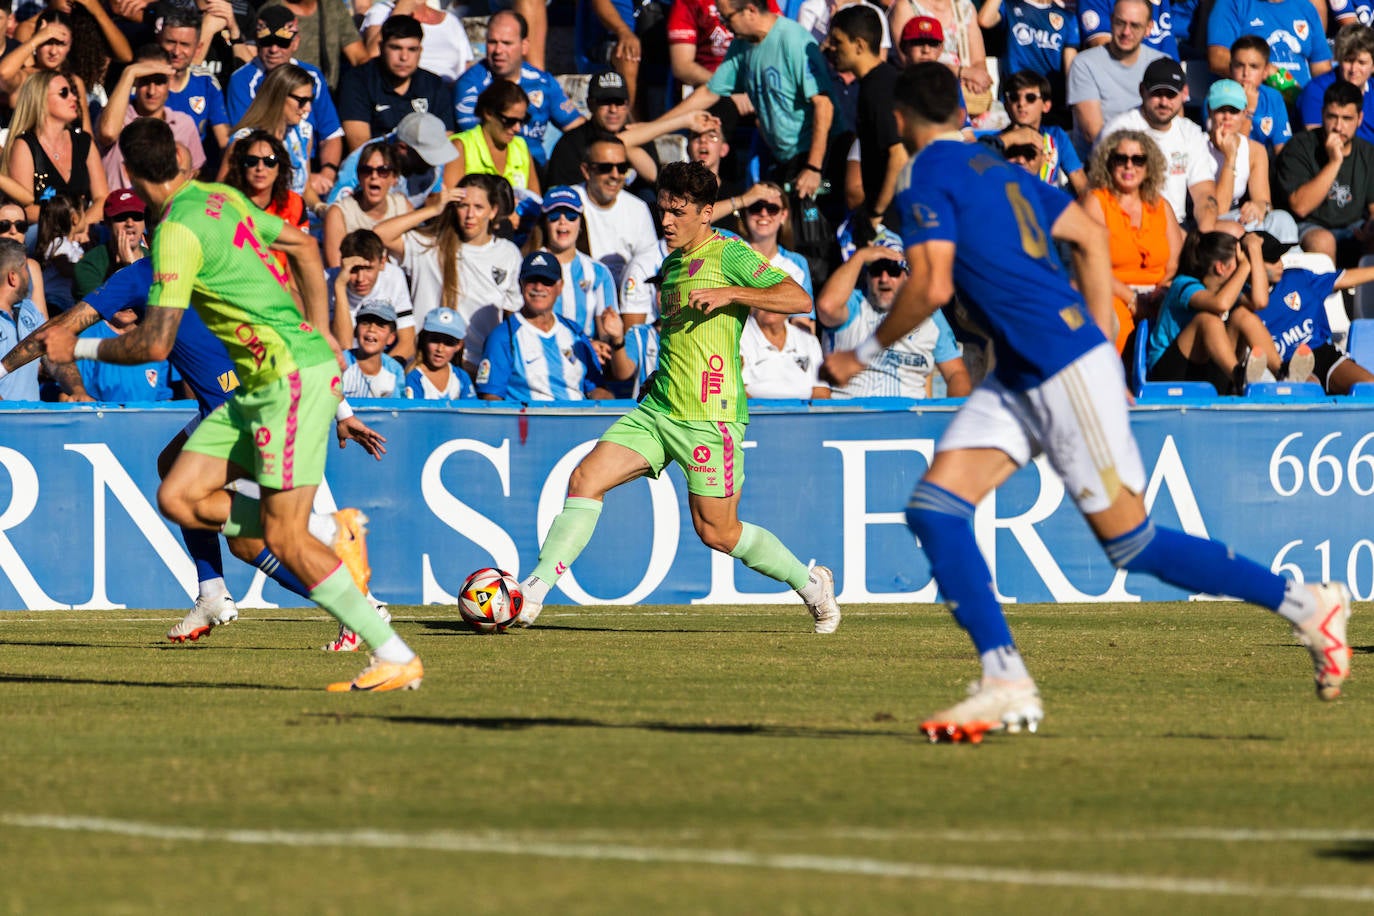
1033,240
244,235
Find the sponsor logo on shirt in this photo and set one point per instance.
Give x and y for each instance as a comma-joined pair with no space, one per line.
263,436
713,379
249,338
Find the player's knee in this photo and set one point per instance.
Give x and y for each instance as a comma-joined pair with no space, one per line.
172,503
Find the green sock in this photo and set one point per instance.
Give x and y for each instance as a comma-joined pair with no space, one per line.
245,518
569,535
339,596
761,551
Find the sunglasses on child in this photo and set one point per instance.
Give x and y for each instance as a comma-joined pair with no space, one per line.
1022,152
252,162
1117,160
1024,97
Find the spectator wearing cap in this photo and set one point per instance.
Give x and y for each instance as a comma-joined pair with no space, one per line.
125,225
329,39
432,376
1242,168
190,91
963,50
278,39
619,225
1191,170
698,40
1293,28
142,93
375,97
1354,64
854,43
494,146
537,354
853,302
922,40
445,50
367,275
588,288
780,68
368,371
608,102
507,46
1327,176
426,160
1105,81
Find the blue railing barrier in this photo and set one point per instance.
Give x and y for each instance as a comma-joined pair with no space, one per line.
476,484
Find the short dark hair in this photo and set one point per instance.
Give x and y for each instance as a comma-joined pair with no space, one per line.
519,20
1340,93
152,52
860,21
499,96
402,27
601,137
930,91
178,17
150,150
690,181
1252,43
6,6
1022,80
1352,41
362,243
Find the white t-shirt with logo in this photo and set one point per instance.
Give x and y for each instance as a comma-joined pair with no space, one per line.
488,285
1187,154
770,372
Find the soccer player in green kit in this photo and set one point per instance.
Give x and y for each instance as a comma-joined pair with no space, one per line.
213,251
695,411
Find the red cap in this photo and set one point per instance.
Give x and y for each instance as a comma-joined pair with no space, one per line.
923,28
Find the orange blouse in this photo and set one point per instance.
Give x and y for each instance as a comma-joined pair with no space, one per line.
1140,254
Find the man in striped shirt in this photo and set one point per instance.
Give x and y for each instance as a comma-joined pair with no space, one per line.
694,412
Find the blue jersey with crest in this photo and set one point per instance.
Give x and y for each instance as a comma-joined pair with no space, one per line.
1296,313
1037,36
1006,271
197,355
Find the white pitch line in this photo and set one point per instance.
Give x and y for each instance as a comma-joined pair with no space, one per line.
1162,835
445,841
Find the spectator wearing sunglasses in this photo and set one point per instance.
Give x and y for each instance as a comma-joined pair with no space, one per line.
49,155
372,200
279,109
126,228
14,225
375,97
142,93
1126,177
278,38
1026,97
494,146
765,225
258,166
853,302
588,288
619,225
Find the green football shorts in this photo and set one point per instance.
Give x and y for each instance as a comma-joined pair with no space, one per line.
708,451
278,433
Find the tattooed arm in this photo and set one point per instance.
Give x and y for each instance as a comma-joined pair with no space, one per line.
151,341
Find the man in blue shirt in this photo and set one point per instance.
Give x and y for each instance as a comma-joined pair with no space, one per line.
1296,36
195,94
974,224
278,38
1095,21
18,319
507,45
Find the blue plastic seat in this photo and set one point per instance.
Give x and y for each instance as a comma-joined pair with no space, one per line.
1170,391
1286,392
1360,343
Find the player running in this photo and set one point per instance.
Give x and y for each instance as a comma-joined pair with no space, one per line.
694,412
211,251
975,224
201,359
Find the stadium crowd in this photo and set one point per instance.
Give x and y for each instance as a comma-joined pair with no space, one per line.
489,231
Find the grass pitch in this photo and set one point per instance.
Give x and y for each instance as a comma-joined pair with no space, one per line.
679,760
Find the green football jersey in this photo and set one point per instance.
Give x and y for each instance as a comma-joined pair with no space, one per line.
210,252
699,373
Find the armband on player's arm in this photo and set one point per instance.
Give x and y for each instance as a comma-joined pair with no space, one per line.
869,350
87,348
343,412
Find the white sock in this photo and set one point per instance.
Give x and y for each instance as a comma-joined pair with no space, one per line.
1299,604
394,650
535,590
213,588
812,591
323,527
1004,664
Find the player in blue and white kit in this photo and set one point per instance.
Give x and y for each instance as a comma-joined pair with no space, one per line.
203,363
536,355
974,224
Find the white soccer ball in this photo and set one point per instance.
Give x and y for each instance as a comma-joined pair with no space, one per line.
490,600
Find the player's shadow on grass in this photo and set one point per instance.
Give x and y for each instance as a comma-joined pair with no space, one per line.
112,682
519,723
1353,851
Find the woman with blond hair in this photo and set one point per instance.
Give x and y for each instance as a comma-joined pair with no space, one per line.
282,108
48,153
1125,182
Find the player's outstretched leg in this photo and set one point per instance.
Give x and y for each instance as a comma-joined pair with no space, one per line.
760,550
1006,697
214,605
1318,613
568,537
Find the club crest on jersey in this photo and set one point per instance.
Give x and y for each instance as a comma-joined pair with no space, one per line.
498,275
1300,28
696,265
198,104
536,97
1266,125
1056,21
420,105
1293,301
151,376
